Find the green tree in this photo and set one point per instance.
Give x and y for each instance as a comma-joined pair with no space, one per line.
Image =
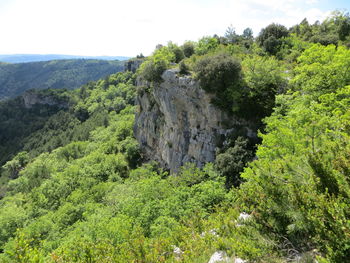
178,52
188,48
231,35
206,45
322,69
265,77
271,38
231,162
247,33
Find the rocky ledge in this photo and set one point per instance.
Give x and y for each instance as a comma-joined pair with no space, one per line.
34,97
176,123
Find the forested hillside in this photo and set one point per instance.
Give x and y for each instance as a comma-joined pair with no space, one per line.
55,74
24,58
79,190
18,120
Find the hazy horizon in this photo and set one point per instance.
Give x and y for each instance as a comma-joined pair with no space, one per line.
25,58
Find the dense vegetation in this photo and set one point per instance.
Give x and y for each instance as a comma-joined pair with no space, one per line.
82,193
18,121
56,74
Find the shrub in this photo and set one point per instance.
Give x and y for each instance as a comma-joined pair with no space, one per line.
184,69
231,163
178,52
206,45
188,49
220,74
153,68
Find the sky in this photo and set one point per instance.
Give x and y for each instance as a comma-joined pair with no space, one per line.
131,27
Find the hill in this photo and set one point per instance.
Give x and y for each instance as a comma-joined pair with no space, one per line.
22,116
24,58
55,74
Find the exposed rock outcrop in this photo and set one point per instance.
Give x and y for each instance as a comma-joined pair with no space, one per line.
133,64
32,97
176,123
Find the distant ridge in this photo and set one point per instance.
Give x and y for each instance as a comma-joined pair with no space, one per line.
15,78
23,58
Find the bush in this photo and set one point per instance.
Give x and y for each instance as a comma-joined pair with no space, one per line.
153,68
184,69
178,52
231,163
220,74
188,49
206,45
152,71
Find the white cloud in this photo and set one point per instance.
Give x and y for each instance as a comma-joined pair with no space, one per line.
119,27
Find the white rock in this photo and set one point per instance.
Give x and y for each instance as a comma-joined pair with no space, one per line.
219,256
211,232
244,216
239,260
177,251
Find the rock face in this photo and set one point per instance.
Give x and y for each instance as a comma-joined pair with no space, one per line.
31,98
133,64
176,123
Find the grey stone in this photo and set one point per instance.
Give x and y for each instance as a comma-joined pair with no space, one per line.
133,64
31,98
176,122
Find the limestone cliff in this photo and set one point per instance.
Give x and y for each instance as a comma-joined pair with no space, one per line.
176,123
33,97
133,64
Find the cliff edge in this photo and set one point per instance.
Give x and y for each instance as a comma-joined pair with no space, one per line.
176,123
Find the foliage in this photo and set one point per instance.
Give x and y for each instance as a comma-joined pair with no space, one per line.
184,69
17,121
178,52
322,69
220,74
206,45
44,128
265,77
188,49
231,35
300,171
91,192
154,66
14,166
231,162
271,38
333,30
